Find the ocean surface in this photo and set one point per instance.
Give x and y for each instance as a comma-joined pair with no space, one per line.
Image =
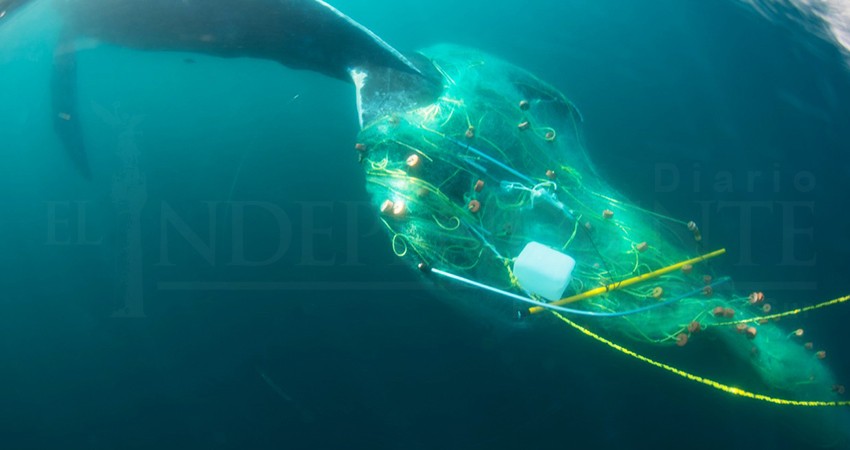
222,281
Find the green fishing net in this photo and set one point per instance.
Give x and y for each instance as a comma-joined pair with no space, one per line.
465,183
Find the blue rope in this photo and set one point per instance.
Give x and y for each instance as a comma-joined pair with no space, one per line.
578,312
493,160
550,197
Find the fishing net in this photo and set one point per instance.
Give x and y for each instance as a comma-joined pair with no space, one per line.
466,183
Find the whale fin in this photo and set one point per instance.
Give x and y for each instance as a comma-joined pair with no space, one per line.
302,34
383,91
356,45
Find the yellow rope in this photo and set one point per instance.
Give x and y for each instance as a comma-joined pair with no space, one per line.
720,386
784,314
629,282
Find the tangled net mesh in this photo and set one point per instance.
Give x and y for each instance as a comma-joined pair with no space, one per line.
495,162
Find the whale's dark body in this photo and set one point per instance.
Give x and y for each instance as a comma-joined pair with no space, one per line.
304,34
301,34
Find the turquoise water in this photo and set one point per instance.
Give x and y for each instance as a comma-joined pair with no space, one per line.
221,281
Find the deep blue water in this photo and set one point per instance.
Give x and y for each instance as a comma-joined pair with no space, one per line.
132,316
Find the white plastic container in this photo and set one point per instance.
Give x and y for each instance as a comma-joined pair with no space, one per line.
544,271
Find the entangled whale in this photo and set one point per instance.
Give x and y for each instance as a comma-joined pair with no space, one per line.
478,173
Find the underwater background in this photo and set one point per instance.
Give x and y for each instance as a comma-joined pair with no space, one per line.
222,281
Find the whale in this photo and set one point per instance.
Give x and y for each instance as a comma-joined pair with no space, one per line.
478,173
299,34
